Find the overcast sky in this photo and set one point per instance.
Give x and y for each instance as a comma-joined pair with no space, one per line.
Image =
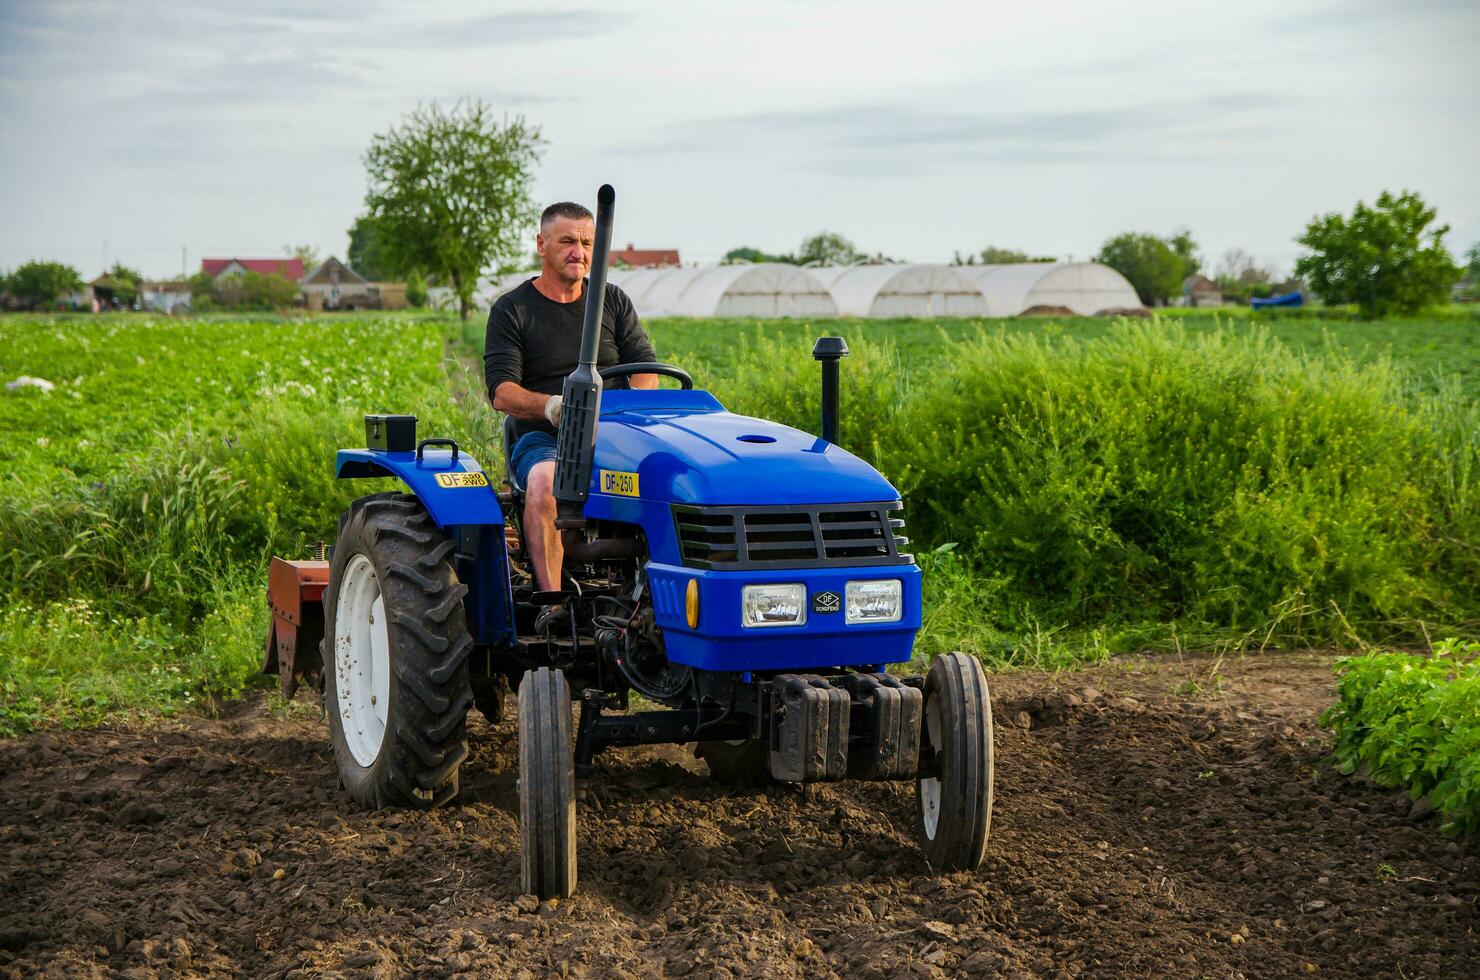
232,128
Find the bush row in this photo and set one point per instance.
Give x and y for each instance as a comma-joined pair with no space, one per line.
1216,482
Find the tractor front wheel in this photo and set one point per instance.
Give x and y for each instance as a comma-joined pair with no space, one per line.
396,646
547,786
955,803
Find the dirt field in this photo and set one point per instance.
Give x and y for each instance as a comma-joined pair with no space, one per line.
1165,818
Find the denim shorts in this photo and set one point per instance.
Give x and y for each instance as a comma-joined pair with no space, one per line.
532,448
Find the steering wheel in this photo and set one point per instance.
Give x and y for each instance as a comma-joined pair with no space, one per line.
648,367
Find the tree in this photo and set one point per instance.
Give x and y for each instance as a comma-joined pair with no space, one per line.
1470,288
450,191
368,254
1240,276
308,253
1148,262
248,291
40,283
828,248
1185,249
122,282
992,255
1385,258
416,290
753,255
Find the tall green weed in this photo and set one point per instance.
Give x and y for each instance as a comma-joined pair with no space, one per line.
1160,476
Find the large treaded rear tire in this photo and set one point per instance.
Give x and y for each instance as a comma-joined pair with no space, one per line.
428,695
954,807
547,790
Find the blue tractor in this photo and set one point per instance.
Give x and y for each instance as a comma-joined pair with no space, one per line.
746,579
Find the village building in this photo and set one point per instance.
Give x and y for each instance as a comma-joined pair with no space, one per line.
164,297
290,269
1200,291
332,285
644,258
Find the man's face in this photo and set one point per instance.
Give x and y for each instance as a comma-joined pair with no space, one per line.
565,248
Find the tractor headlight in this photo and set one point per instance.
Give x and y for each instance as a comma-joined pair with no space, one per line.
879,601
773,605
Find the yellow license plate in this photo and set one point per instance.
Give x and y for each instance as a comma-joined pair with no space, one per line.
454,480
619,483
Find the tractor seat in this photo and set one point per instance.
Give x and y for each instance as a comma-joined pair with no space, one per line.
509,454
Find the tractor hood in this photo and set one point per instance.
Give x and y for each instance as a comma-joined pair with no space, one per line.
684,447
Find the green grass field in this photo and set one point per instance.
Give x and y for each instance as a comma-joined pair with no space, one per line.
1075,488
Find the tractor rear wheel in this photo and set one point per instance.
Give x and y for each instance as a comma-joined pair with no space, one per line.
955,804
547,786
396,642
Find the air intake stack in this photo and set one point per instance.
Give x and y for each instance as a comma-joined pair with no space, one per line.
581,399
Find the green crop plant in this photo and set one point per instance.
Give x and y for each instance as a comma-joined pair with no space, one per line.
1412,722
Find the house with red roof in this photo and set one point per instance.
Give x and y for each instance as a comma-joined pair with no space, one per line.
290,269
645,258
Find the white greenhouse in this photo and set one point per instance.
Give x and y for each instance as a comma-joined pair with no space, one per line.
903,290
1084,287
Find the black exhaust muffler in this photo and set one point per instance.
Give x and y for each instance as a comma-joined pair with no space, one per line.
575,447
830,350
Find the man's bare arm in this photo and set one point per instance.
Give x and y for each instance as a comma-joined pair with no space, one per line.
519,402
644,380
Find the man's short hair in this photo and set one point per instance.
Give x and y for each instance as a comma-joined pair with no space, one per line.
565,209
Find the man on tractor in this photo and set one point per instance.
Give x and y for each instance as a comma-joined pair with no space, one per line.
533,342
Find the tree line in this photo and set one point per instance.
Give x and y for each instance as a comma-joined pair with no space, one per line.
449,195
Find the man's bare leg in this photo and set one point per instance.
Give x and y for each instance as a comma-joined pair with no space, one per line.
546,550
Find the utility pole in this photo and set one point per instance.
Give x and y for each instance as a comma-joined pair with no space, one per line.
182,262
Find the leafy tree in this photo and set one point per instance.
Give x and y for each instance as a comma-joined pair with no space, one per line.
123,283
1386,258
828,248
416,289
248,291
450,191
1185,248
368,254
1151,265
1472,265
40,283
1240,276
308,253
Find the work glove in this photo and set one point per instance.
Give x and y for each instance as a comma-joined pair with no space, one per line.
552,411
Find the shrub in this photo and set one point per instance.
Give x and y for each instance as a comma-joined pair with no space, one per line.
1407,721
1160,476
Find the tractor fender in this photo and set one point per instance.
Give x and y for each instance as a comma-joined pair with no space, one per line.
453,488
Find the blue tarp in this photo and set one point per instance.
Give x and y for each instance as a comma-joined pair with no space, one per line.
1284,299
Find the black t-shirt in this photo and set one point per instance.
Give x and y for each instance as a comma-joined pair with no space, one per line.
535,342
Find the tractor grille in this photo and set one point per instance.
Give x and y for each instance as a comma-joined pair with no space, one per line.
790,537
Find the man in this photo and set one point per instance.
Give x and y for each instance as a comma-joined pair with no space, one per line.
533,342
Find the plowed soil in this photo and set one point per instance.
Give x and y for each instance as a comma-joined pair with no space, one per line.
1156,818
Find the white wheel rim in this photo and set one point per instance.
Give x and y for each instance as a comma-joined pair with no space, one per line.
362,660
929,788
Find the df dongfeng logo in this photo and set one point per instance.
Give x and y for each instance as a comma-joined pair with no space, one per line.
826,602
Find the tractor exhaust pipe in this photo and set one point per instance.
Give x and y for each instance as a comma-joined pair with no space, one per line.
830,350
575,447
